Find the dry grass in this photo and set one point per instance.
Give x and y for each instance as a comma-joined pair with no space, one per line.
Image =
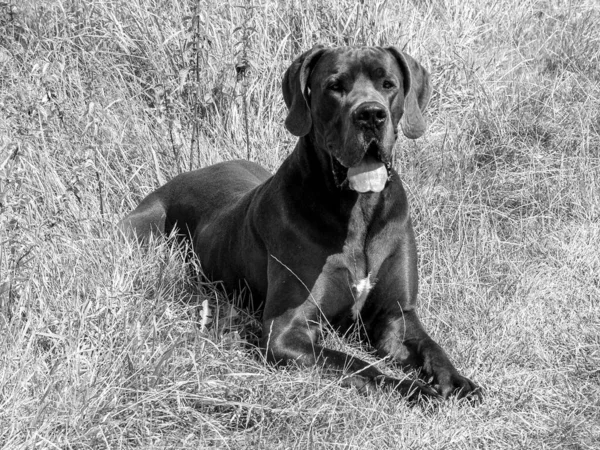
102,345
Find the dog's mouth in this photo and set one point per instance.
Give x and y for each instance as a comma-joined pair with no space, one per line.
370,174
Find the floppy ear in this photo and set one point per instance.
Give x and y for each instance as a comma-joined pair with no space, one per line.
417,91
295,80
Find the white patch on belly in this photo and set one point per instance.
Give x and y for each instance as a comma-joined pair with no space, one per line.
362,288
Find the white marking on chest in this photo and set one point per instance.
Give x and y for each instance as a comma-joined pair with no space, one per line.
361,291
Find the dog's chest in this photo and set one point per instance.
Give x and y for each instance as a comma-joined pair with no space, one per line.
360,291
358,260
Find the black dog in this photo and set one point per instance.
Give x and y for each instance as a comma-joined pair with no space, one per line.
328,238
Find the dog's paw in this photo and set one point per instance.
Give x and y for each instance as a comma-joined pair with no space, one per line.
412,390
452,383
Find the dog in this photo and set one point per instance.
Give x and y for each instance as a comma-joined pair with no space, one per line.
328,238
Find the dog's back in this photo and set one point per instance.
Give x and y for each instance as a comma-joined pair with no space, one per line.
192,198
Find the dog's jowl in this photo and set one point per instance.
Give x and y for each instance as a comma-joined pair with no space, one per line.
327,238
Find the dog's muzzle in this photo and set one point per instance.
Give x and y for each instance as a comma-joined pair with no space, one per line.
370,174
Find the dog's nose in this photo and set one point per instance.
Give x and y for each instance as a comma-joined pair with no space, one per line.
370,115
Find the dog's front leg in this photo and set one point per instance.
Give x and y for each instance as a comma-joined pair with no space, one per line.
403,338
286,341
292,327
396,331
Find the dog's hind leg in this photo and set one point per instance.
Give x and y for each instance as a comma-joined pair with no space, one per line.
149,217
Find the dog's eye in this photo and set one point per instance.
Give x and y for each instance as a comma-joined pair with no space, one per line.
387,84
335,86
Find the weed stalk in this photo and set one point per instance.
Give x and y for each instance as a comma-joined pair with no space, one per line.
242,67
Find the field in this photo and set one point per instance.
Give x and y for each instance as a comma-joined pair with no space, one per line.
107,345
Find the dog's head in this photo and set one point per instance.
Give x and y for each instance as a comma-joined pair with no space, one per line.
350,101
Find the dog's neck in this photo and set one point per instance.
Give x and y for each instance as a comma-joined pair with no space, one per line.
318,167
314,180
310,185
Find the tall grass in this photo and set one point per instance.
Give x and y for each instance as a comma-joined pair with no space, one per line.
103,344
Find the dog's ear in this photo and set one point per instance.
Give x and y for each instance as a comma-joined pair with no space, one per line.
417,91
295,84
